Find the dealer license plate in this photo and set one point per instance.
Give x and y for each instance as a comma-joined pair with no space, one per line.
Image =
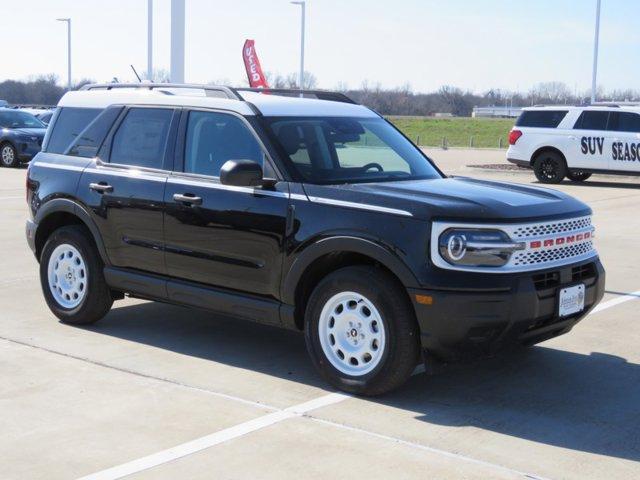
571,300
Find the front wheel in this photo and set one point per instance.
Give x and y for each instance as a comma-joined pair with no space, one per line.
8,156
550,167
361,331
71,274
577,175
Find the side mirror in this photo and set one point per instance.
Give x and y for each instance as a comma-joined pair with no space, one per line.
241,173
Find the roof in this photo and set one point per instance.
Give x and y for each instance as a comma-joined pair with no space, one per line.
597,107
276,105
244,103
105,98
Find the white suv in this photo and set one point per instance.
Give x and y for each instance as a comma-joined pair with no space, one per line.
574,142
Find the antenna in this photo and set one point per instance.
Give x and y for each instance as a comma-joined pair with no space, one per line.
134,71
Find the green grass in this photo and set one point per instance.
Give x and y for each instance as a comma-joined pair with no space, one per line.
457,131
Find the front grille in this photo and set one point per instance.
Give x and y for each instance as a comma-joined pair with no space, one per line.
539,245
543,229
535,257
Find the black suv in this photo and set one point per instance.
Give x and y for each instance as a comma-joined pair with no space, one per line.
305,211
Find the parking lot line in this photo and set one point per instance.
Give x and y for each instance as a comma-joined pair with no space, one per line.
616,301
419,446
216,438
12,198
151,377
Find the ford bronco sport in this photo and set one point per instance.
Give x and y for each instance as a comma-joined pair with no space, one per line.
301,210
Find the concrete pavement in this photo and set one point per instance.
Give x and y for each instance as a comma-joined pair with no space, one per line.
150,377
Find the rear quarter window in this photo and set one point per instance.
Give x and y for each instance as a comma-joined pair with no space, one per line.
541,118
90,139
68,125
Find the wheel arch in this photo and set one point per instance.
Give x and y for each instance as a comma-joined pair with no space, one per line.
60,212
330,254
547,148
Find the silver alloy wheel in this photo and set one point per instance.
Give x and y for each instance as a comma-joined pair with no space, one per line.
352,333
68,276
8,155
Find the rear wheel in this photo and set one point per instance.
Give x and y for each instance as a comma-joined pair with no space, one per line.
361,331
577,175
549,167
8,156
71,275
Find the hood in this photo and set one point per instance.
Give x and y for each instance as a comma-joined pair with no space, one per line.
36,132
457,198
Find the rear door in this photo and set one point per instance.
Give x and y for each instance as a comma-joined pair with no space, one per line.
224,236
124,187
591,141
624,154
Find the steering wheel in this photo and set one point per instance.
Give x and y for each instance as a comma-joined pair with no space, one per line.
371,165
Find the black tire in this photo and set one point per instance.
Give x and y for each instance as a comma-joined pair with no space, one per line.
578,176
550,167
401,351
97,299
8,156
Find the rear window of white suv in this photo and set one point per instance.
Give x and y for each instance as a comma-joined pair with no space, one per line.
540,118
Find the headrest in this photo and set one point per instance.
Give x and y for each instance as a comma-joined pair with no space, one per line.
289,138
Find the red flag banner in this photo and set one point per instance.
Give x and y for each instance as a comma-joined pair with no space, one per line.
252,65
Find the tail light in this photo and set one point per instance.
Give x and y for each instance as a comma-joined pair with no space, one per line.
514,135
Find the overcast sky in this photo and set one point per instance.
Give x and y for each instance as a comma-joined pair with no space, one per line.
472,44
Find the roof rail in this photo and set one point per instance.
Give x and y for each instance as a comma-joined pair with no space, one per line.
209,90
295,92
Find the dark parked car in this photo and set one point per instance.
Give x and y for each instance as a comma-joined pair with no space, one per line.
21,136
45,117
309,214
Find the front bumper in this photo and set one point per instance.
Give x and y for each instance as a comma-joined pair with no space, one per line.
481,321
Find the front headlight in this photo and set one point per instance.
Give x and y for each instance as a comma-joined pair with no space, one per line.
477,247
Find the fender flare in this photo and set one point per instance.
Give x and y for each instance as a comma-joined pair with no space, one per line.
343,244
67,205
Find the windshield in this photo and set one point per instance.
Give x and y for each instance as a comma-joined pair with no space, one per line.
348,150
19,120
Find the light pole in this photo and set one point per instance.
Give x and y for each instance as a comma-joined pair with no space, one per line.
302,4
150,40
595,53
68,21
177,41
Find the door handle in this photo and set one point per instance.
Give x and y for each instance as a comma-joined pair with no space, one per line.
187,198
101,187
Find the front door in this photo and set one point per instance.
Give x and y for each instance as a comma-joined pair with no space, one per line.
229,237
624,152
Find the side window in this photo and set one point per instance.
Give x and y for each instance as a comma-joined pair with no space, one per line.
541,118
213,138
592,120
141,138
624,122
70,122
89,141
